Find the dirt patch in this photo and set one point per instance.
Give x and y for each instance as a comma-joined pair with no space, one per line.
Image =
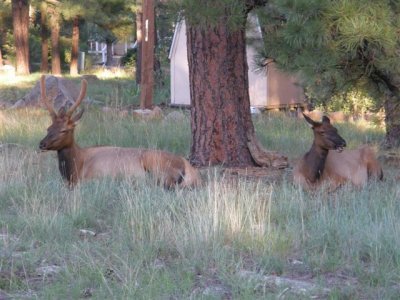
255,174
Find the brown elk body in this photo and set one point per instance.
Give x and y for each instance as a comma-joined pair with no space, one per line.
77,163
327,162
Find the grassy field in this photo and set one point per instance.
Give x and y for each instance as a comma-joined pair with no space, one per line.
245,239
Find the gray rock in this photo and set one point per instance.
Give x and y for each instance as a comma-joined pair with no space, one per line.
60,91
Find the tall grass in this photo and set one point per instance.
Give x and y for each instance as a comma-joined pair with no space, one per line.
134,240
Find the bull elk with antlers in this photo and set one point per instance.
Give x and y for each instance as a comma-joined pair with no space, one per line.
327,162
77,163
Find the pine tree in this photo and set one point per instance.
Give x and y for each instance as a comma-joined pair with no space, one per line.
55,20
115,18
20,13
222,129
75,11
44,36
336,46
5,20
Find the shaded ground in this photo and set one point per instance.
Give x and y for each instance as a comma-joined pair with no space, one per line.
269,175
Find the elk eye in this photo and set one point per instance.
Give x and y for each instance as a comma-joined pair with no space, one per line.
63,130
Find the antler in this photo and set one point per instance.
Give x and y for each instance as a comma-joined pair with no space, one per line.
79,100
49,107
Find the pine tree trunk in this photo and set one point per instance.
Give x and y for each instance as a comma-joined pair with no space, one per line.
222,129
220,109
75,47
392,120
391,104
55,42
44,65
139,17
109,53
20,12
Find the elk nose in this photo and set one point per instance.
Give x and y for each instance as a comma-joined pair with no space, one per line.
42,145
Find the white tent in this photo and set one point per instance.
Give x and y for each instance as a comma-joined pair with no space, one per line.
267,89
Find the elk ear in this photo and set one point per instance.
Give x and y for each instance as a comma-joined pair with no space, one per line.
309,120
78,116
326,120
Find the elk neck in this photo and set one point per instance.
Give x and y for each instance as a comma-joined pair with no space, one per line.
70,162
315,162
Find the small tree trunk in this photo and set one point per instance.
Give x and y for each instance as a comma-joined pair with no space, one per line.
75,47
392,120
139,17
55,43
147,68
109,58
20,12
1,57
44,65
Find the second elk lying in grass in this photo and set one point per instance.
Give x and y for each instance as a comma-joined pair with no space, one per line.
327,162
77,163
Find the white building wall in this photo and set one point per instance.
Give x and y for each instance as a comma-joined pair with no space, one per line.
180,87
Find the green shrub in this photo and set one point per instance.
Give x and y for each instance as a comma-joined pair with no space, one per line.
129,59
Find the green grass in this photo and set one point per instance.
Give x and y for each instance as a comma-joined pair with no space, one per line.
112,90
156,244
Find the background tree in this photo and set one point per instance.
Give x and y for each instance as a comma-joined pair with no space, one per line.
115,18
75,11
44,38
222,129
20,13
5,22
339,46
139,16
55,24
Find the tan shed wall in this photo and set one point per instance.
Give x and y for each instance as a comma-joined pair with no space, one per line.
282,89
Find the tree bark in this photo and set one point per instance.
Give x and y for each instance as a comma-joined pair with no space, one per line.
1,57
220,108
75,47
139,17
147,54
20,12
391,100
44,32
221,124
392,121
109,58
55,42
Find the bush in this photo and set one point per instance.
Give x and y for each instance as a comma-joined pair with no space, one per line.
129,59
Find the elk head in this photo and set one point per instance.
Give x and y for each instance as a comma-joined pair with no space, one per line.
326,136
60,134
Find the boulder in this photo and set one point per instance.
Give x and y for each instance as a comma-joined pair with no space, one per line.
148,114
176,116
7,70
60,91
